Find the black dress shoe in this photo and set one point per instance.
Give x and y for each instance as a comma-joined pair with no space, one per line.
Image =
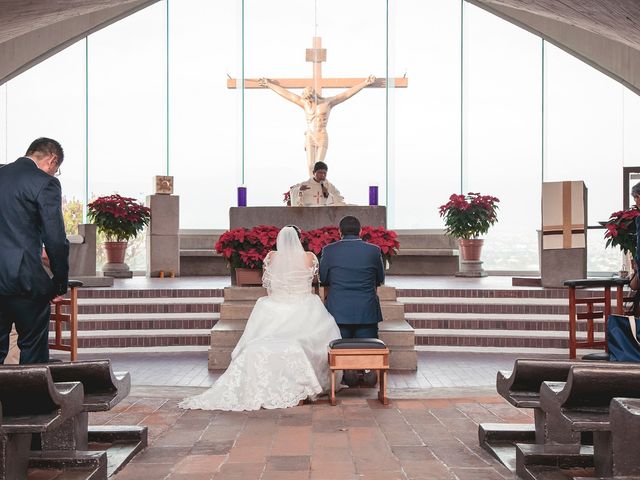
350,378
370,378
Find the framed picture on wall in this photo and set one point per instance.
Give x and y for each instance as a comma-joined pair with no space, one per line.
630,176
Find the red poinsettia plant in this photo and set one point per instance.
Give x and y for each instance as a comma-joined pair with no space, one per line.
621,230
247,248
120,218
469,216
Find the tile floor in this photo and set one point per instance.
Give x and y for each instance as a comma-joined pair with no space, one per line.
429,430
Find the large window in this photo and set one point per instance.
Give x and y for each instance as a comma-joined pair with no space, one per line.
274,130
502,130
48,100
424,161
584,141
204,116
489,108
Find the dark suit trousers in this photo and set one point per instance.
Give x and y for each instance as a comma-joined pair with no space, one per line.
31,316
363,330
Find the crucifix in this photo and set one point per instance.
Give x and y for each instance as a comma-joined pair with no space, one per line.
316,107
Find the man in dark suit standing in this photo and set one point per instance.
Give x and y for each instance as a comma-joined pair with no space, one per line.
353,269
30,216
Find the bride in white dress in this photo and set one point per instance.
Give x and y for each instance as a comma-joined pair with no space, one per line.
281,357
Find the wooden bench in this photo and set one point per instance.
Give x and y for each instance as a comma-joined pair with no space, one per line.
359,354
31,403
581,404
70,317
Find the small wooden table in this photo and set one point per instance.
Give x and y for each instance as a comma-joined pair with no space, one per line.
359,354
71,317
592,313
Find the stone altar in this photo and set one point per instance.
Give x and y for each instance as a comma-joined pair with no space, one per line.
307,218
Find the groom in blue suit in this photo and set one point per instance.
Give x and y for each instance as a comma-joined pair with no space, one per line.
353,269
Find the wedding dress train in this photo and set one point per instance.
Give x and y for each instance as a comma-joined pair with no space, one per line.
281,357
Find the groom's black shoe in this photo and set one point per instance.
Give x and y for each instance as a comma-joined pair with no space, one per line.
350,378
370,378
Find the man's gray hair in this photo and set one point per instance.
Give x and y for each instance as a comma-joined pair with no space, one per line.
635,190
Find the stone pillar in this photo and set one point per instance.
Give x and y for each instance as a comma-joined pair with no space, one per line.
163,251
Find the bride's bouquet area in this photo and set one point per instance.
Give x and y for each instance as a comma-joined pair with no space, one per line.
247,247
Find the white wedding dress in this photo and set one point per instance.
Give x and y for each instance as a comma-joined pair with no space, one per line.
281,357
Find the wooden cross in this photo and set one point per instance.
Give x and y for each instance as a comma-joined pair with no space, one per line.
317,55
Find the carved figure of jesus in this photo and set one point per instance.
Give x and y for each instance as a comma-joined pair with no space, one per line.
316,109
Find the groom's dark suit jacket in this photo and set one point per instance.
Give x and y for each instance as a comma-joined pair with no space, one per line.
30,216
352,269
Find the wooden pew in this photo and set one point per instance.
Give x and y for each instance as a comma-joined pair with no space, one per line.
521,388
624,415
581,404
31,403
103,389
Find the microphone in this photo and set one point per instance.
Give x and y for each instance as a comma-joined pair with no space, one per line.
325,192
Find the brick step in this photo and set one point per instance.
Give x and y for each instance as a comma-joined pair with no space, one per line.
428,320
149,305
538,293
107,293
522,351
140,338
148,308
147,321
497,338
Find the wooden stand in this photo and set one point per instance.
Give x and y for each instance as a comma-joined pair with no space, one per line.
592,313
360,359
71,317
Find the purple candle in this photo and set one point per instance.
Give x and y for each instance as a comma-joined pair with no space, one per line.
242,196
373,195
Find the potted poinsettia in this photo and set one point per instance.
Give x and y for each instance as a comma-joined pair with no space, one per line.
120,219
621,232
245,250
466,218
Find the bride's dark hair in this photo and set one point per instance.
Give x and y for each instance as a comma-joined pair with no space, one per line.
296,228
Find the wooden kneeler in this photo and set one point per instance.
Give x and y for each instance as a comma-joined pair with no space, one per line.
58,318
359,354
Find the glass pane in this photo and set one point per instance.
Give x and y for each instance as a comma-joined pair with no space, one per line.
48,101
584,138
424,118
277,36
205,155
503,134
127,110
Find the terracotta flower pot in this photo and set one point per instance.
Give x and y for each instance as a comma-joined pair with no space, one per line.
248,276
115,251
471,249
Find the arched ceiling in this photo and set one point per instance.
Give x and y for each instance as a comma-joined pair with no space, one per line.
603,33
33,30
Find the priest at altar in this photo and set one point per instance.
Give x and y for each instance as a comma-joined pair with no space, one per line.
317,191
